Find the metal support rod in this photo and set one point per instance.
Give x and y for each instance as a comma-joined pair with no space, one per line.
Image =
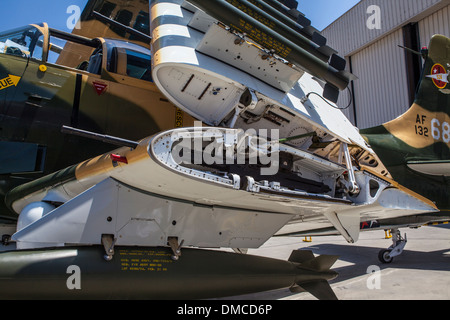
353,188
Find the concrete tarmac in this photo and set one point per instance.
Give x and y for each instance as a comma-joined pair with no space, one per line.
421,272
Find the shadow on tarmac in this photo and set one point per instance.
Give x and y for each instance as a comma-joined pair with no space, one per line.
355,259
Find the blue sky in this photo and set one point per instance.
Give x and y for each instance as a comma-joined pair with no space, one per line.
323,12
22,12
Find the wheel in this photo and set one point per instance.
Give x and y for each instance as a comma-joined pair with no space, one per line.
384,257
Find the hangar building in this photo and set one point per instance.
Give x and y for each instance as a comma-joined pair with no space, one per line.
368,36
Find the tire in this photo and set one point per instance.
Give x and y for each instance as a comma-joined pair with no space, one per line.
383,256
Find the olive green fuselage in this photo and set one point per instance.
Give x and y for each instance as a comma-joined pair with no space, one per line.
48,96
395,155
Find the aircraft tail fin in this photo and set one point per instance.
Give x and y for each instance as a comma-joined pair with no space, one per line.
307,260
426,125
301,256
320,289
433,92
322,263
315,273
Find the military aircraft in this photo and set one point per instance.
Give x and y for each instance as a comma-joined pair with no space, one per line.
103,85
415,146
270,148
51,78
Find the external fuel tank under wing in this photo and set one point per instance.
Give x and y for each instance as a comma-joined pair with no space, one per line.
151,274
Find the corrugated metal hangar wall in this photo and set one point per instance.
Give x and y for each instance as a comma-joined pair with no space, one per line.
369,35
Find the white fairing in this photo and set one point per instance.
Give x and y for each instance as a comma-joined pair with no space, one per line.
105,210
33,212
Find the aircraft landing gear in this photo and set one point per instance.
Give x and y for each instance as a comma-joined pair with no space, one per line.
396,249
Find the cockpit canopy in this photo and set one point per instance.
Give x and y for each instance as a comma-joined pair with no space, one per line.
47,45
23,42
